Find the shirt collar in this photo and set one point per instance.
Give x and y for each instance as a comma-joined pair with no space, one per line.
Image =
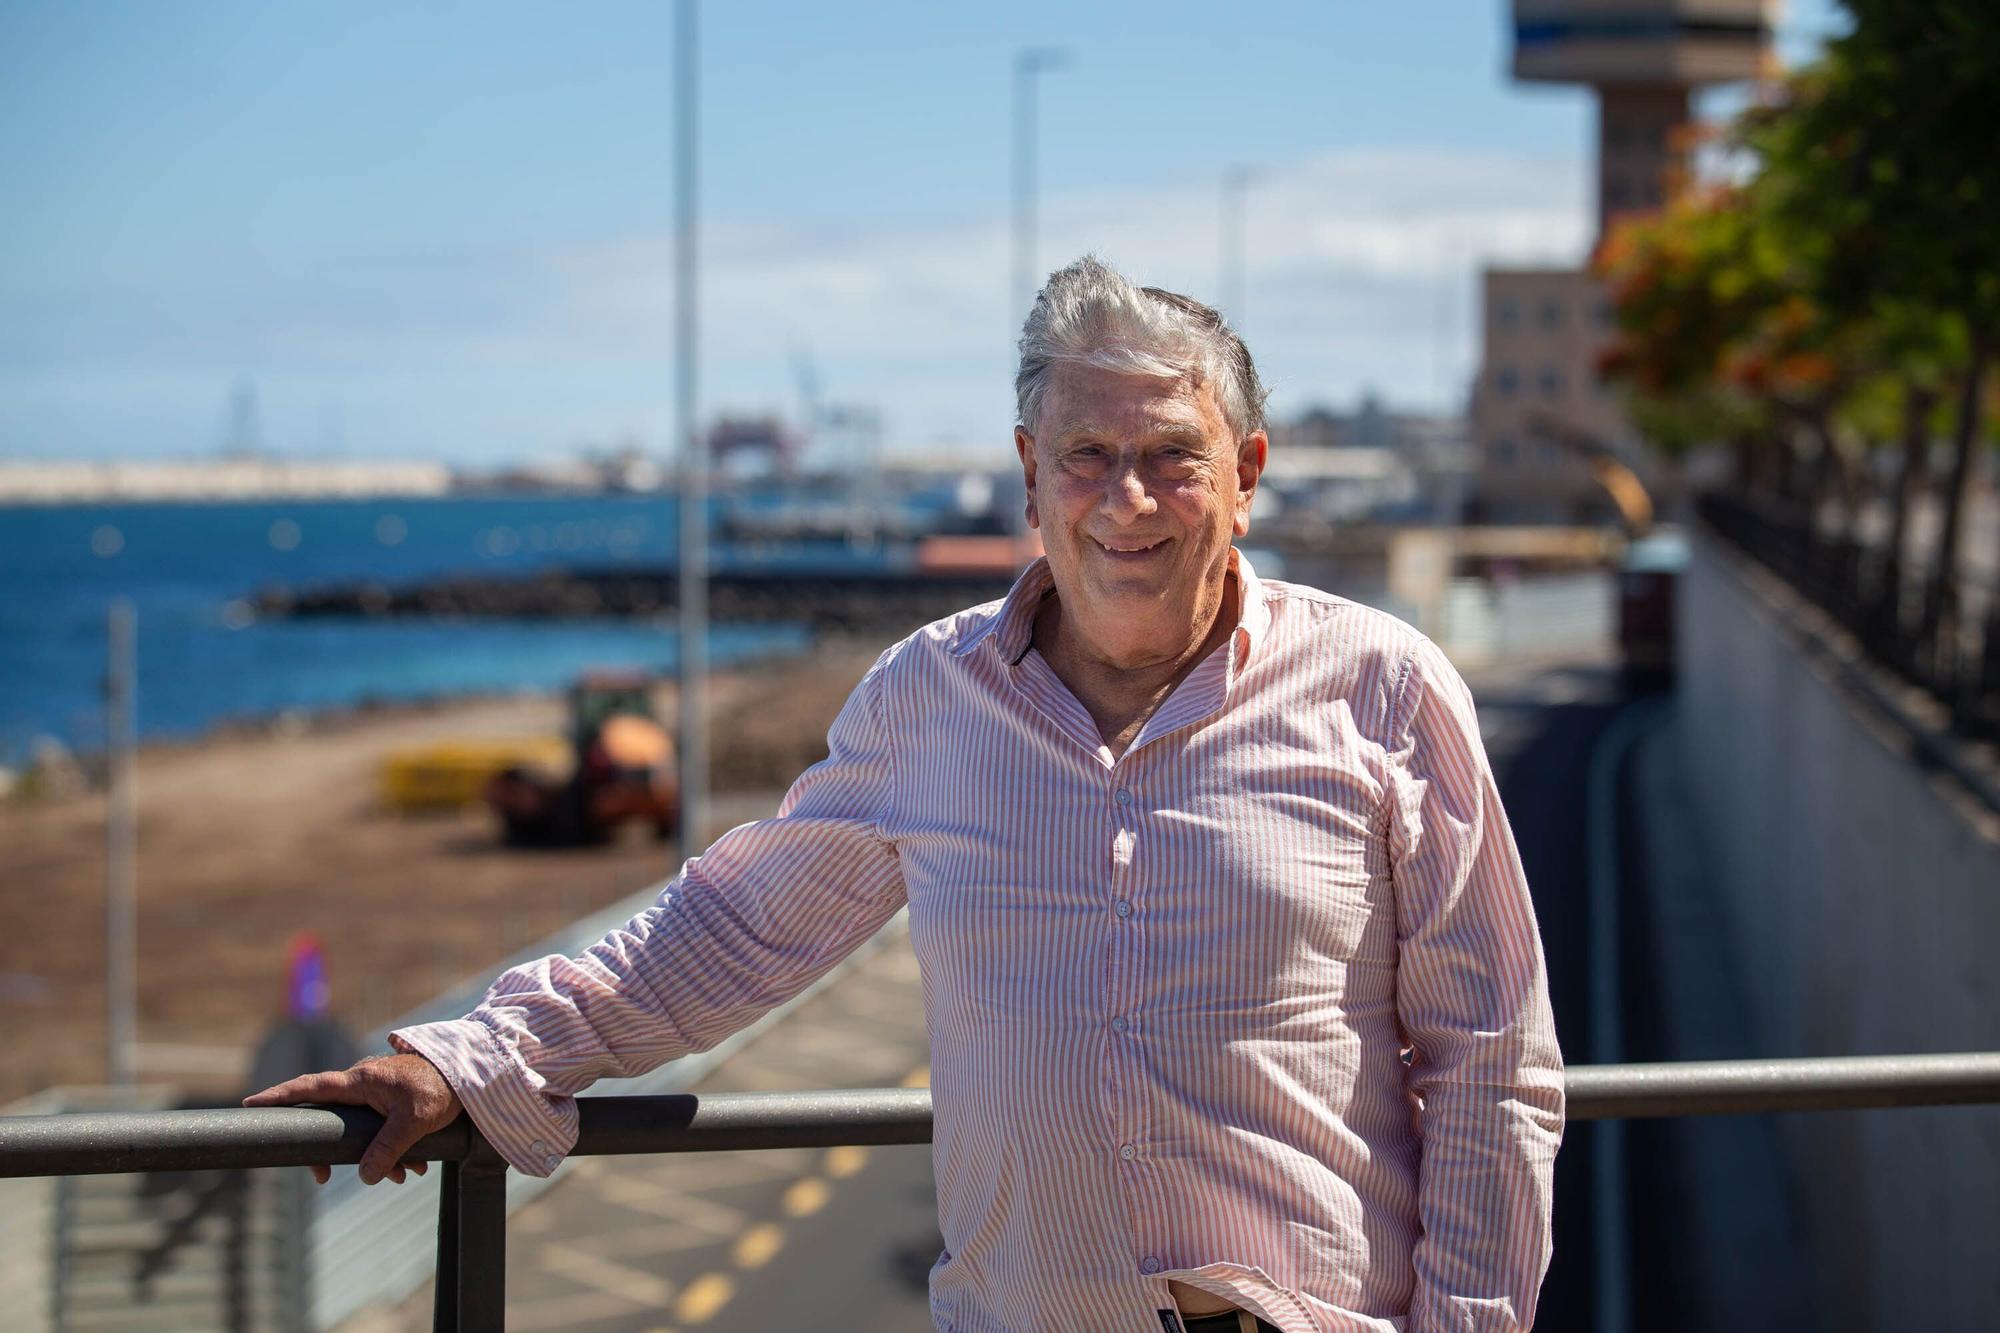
1254,612
1012,627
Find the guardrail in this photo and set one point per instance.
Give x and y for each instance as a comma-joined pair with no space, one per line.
1942,636
472,1219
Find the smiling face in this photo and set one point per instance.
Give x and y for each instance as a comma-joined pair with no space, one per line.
1137,485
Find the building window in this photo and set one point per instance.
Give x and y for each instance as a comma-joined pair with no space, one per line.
1552,315
1507,381
1551,382
1607,314
1549,452
1508,314
1503,452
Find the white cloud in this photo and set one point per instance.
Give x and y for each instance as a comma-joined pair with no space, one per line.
1359,269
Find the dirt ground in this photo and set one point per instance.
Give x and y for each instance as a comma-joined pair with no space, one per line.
247,838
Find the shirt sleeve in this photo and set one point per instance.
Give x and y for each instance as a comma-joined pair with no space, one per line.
1472,999
768,909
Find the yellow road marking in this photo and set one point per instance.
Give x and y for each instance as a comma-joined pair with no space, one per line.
586,1268
845,1160
755,1247
806,1197
703,1297
920,1077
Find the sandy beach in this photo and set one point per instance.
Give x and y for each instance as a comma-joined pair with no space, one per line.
249,836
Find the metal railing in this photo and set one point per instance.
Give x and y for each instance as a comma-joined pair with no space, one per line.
472,1219
1942,637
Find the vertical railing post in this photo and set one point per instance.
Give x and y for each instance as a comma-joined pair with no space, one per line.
471,1287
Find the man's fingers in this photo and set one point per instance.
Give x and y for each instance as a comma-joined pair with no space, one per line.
335,1085
321,1174
407,1090
383,1158
419,1167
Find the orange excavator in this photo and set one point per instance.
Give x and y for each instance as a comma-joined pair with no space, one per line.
1649,572
623,770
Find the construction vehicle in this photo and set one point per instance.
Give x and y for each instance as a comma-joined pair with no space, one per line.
440,777
1650,570
622,769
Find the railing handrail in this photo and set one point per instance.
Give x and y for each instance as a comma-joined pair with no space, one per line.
96,1143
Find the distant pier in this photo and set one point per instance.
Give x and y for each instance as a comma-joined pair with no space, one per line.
869,601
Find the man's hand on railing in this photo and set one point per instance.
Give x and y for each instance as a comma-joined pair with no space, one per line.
412,1098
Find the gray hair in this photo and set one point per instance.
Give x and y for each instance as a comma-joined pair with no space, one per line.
1090,314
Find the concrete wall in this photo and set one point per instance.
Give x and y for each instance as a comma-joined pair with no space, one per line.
1866,890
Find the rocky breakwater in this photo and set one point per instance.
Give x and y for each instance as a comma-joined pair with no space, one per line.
888,600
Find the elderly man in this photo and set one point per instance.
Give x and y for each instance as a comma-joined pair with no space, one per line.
1191,860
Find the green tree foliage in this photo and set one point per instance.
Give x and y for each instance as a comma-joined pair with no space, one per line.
1847,293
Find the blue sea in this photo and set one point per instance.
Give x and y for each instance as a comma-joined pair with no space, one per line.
188,568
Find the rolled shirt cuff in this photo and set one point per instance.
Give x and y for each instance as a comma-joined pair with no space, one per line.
525,1125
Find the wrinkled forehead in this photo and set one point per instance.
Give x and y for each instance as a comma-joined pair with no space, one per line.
1088,400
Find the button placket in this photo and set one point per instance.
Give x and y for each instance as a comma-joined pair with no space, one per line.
1129,1119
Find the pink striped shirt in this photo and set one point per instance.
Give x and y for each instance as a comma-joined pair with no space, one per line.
1166,991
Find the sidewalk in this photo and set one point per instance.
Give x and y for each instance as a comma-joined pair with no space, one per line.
1712,1198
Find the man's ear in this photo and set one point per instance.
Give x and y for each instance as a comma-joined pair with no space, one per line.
1024,445
1249,466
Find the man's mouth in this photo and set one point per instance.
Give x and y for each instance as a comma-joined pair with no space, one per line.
1129,548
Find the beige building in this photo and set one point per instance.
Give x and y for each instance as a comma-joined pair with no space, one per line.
1538,384
1538,397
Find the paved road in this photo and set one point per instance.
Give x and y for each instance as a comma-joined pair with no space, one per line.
1541,731
841,1240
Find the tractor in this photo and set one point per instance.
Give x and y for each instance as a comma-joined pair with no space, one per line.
622,769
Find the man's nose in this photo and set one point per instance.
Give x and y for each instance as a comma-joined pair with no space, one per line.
1125,493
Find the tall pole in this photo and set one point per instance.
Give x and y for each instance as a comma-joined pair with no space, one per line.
694,467
121,963
1028,63
1235,180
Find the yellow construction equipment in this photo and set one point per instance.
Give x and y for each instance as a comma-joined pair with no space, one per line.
446,775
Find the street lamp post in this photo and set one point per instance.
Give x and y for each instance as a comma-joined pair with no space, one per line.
1235,181
121,823
1028,62
694,466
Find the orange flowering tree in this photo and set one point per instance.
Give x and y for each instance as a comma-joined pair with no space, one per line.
1843,299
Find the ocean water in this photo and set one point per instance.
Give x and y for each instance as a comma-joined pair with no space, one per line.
187,569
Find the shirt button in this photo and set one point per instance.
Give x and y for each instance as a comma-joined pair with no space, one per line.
1127,1151
1119,1024
538,1148
1124,796
1149,1265
551,1162
1122,907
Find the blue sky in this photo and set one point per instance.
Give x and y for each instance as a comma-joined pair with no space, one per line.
445,229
